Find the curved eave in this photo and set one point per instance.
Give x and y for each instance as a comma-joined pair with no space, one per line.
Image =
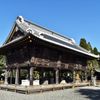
15,25
10,34
5,47
11,42
54,42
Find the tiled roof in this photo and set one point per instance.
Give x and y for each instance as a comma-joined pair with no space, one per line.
49,36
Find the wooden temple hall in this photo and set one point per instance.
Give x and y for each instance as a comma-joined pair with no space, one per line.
36,55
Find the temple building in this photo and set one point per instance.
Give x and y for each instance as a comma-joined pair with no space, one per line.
33,52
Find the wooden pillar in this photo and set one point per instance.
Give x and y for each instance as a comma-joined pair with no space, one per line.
85,75
17,76
74,80
28,75
11,75
43,76
57,69
91,74
43,73
31,75
6,77
56,75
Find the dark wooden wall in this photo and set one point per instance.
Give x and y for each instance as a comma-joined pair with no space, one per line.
40,55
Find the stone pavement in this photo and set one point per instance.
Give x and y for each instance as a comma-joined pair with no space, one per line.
82,93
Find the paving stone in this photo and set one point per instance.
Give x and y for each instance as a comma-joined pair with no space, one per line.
82,93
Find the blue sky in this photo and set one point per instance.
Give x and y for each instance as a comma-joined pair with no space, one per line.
72,18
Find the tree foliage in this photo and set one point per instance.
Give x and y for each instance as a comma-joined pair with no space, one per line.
2,63
91,64
95,51
83,43
87,45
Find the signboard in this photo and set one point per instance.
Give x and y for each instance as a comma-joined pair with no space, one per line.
36,82
25,83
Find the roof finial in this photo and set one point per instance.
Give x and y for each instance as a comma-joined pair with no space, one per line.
20,18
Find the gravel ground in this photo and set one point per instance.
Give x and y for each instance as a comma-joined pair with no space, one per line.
82,93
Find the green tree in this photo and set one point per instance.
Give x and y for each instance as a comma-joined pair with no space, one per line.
91,66
36,75
83,43
89,47
95,51
2,63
